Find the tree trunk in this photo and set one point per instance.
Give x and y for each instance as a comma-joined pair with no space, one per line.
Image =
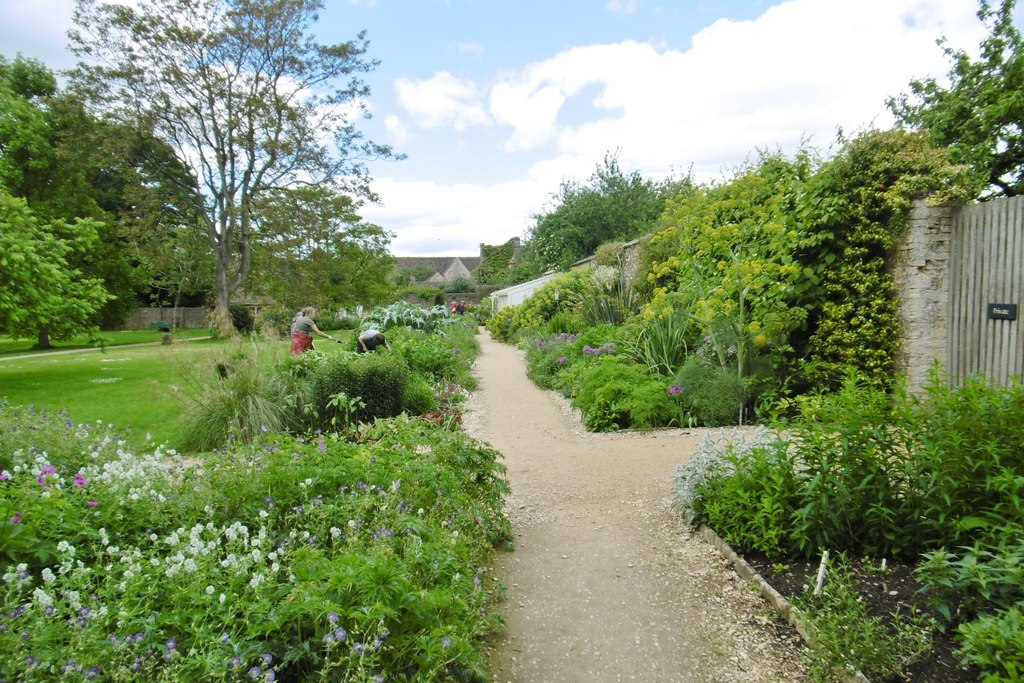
44,339
220,318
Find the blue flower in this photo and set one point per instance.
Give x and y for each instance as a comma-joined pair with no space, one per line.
446,641
332,617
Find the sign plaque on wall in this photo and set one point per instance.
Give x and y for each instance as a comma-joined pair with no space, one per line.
1002,311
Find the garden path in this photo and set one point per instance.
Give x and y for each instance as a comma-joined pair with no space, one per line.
606,583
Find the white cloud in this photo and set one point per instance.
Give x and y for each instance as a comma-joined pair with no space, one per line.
443,100
471,49
624,6
440,219
741,86
397,129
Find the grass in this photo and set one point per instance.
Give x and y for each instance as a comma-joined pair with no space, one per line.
140,389
13,347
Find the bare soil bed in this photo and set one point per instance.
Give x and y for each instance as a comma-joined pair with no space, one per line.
892,591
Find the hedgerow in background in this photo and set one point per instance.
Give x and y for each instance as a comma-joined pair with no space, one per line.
323,560
856,205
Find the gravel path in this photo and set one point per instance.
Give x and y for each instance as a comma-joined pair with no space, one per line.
606,583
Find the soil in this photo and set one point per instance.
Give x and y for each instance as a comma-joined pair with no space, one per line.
893,590
606,582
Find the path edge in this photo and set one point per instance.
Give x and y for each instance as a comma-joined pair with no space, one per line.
773,597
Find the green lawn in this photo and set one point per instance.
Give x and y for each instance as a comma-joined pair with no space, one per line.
139,388
12,347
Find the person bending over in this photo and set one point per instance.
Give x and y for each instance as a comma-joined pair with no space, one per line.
370,340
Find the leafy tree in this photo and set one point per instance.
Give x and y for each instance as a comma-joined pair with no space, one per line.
39,290
979,116
314,249
66,165
613,206
244,96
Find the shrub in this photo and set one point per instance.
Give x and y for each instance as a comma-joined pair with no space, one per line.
377,379
404,314
995,644
712,394
614,395
419,398
241,318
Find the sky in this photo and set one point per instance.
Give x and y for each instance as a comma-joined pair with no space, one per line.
496,103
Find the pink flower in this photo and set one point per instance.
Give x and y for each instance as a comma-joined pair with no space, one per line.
44,472
4,476
92,503
80,480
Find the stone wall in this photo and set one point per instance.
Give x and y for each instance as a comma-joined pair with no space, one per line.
921,272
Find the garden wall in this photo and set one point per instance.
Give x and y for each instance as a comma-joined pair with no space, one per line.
182,317
959,279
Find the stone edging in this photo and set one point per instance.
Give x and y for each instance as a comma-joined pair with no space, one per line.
771,596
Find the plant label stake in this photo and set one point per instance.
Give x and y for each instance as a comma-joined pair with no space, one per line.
821,573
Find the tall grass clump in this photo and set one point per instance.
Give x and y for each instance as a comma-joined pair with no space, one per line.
238,396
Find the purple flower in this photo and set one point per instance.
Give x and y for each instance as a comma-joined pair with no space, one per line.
224,639
340,634
358,647
80,480
16,519
321,445
92,503
172,645
255,672
4,476
332,618
31,661
94,671
675,390
446,641
235,662
562,360
267,658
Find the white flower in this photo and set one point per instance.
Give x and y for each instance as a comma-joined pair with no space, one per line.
48,575
209,590
222,598
42,597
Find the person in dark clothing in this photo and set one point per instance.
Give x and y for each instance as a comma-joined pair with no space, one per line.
370,340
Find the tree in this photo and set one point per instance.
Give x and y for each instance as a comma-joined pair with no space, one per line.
38,288
614,205
979,116
245,97
66,164
333,258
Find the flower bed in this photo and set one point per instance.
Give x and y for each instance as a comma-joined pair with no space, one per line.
284,559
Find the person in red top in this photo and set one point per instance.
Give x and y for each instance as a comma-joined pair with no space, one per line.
303,329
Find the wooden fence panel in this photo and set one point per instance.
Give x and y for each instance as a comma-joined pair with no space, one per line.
987,264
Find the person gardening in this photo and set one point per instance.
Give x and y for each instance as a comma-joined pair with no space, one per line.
303,329
370,340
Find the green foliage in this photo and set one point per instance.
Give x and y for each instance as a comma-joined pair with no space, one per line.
985,577
846,637
978,114
614,205
278,558
857,204
895,476
562,294
495,261
712,394
419,397
616,395
995,644
405,314
459,284
377,379
662,342
38,286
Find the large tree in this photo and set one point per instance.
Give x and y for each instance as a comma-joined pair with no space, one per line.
612,205
40,293
245,96
980,115
335,259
